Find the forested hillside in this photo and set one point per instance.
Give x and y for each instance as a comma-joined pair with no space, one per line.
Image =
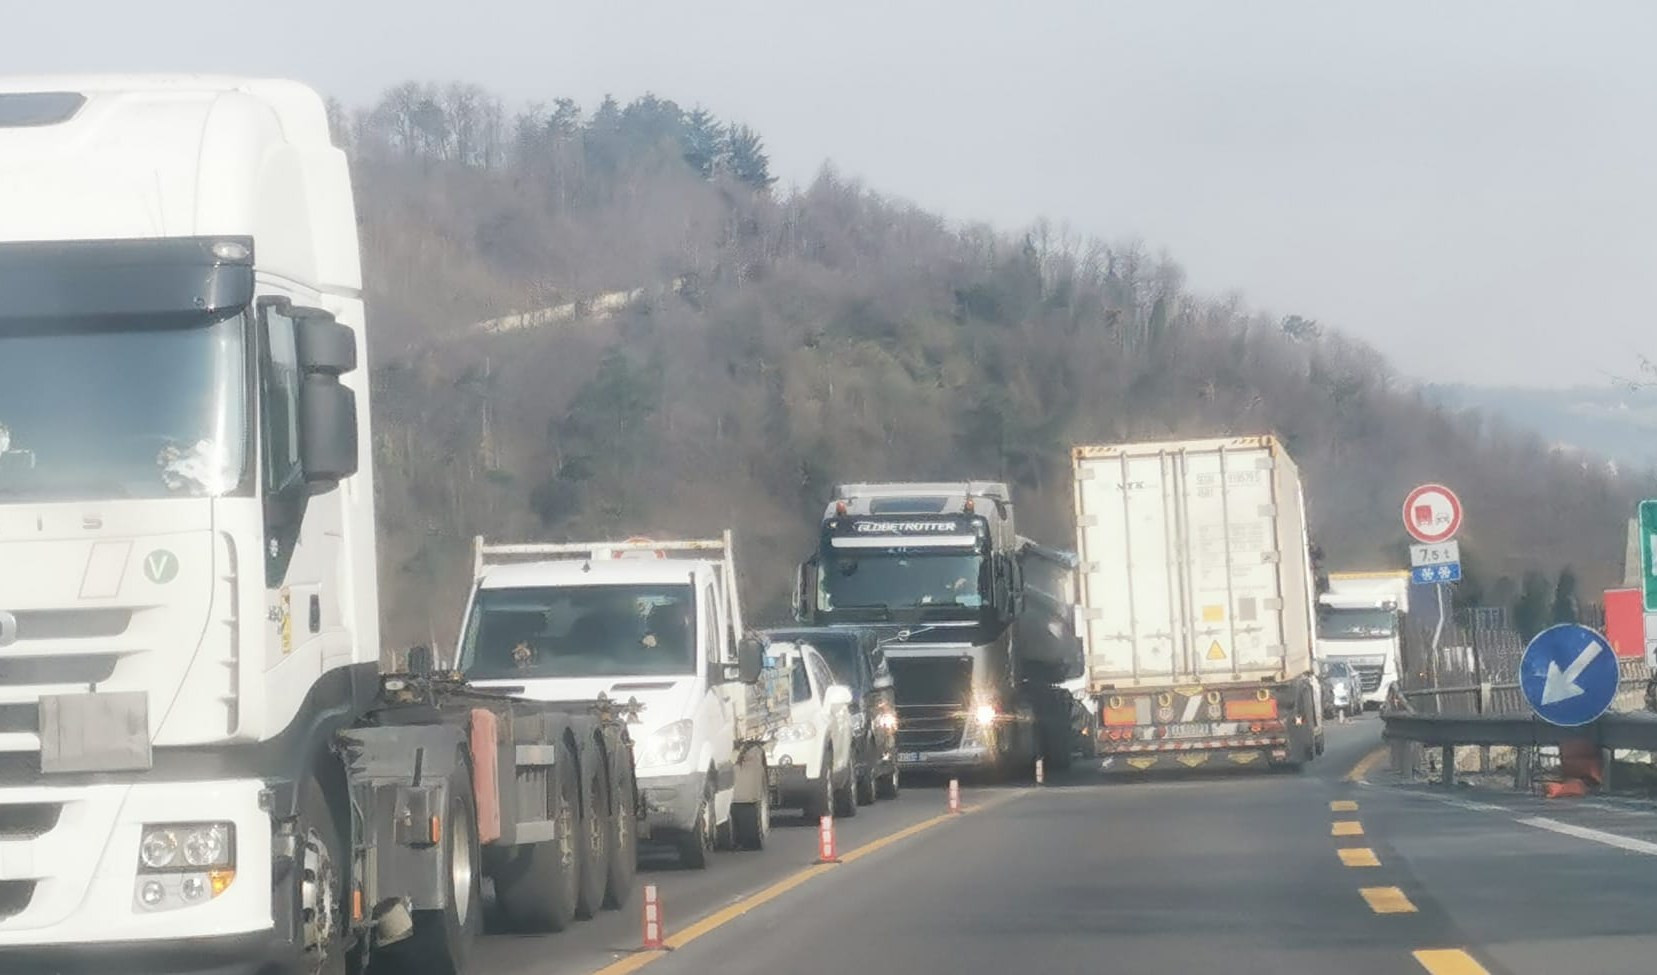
612,322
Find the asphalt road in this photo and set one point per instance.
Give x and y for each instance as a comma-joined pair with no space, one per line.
1241,872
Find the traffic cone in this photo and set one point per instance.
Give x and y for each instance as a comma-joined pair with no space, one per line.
652,920
825,841
954,795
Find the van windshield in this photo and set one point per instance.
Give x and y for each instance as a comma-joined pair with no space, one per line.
580,631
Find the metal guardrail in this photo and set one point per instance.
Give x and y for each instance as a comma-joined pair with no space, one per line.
1497,714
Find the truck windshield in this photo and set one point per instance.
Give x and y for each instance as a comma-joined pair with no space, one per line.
93,410
951,584
580,631
1356,623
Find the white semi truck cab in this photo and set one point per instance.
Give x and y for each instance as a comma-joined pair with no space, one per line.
187,598
1361,621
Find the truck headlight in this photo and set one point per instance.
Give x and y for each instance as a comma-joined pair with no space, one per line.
666,746
186,846
887,720
984,714
182,864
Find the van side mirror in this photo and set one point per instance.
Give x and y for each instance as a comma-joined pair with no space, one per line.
750,659
837,695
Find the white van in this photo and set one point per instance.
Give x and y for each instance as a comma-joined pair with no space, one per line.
625,621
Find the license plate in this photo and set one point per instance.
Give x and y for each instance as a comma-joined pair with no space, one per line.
909,756
1189,730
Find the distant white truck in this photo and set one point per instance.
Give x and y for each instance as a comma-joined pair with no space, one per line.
1361,621
655,622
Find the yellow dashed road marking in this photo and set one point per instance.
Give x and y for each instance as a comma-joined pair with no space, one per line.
1449,961
1358,856
1365,764
1387,900
1346,827
1343,805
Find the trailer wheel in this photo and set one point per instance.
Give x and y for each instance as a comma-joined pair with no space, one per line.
845,795
594,840
818,805
622,857
443,938
536,887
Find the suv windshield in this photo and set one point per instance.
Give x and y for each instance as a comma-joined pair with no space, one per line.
1356,624
902,580
580,631
92,411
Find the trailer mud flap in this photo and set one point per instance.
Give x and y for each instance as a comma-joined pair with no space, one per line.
484,743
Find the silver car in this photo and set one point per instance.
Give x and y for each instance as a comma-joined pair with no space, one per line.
1342,690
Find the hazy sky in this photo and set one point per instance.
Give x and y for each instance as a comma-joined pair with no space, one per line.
1467,185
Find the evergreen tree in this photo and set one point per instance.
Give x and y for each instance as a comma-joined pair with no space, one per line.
745,157
1565,607
1530,612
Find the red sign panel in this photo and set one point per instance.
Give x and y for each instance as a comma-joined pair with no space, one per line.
1625,622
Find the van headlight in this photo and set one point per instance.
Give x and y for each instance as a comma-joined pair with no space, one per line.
788,733
666,746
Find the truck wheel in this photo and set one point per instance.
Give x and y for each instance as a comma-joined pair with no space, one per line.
319,887
623,855
845,796
536,887
443,939
866,789
886,786
751,822
696,846
594,842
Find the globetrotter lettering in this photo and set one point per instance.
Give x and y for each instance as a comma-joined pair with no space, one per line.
903,527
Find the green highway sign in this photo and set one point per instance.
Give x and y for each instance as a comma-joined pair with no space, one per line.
1648,554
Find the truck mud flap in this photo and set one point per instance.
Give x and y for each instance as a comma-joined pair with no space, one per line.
1193,760
399,779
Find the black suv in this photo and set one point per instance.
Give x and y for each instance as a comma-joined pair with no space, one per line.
855,656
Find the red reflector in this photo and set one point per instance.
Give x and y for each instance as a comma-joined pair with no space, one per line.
1250,710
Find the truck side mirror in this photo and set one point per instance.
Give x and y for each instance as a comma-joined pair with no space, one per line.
750,659
327,429
419,661
802,589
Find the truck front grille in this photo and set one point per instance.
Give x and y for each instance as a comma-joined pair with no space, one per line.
1369,675
27,820
929,727
15,896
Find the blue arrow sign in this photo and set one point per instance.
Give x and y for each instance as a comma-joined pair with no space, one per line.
1427,575
1568,674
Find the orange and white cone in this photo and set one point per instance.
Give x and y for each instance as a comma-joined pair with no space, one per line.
954,795
826,853
652,919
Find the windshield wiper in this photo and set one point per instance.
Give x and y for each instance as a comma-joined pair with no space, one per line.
881,611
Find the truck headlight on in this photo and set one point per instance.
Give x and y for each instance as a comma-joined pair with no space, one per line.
666,746
184,864
984,714
887,720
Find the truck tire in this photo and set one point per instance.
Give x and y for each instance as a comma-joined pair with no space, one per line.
886,786
696,845
751,822
319,887
622,857
594,838
866,789
443,939
537,887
